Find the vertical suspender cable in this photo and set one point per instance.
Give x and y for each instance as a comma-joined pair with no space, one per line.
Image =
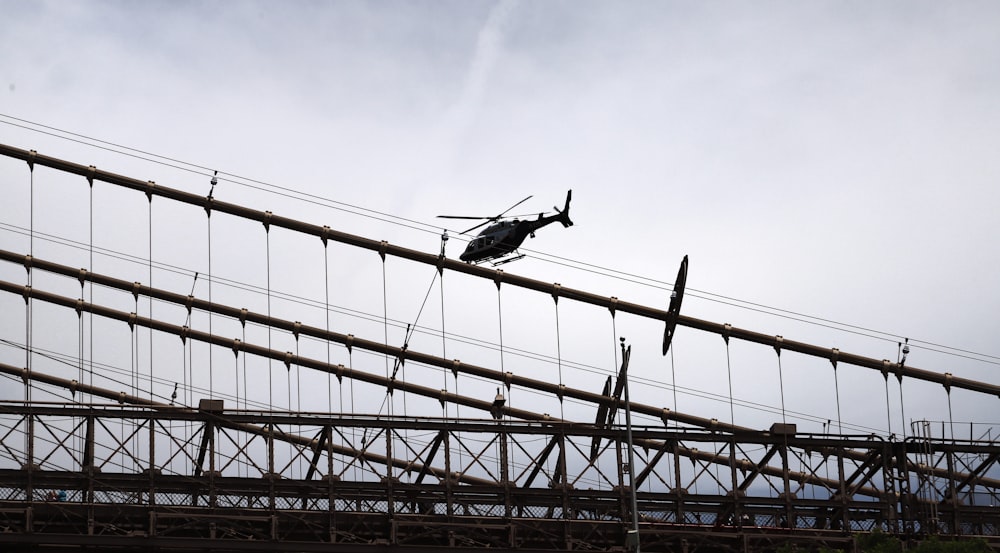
211,277
836,388
902,411
673,376
150,196
444,344
326,307
29,435
270,382
354,435
781,386
500,326
562,413
240,466
500,323
951,421
614,349
79,316
28,301
298,399
133,357
385,330
888,410
90,283
729,373
245,396
270,371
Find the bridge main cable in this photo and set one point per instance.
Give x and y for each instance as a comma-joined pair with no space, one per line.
325,233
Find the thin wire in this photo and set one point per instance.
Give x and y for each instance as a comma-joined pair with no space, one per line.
385,328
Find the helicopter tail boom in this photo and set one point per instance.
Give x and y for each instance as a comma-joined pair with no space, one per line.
563,216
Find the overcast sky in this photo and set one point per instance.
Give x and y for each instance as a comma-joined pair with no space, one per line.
835,159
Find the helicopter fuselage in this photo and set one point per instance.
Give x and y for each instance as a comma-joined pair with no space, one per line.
504,237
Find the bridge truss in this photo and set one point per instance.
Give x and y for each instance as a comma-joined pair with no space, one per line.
106,468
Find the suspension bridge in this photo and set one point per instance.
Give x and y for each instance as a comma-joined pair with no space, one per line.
147,405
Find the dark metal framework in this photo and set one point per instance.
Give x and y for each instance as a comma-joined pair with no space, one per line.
918,486
501,484
144,475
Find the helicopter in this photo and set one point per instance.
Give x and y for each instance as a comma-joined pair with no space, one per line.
504,236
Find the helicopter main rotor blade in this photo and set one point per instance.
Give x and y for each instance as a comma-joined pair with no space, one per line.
512,207
477,226
461,217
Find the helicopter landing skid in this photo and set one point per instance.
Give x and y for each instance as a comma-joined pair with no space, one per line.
508,260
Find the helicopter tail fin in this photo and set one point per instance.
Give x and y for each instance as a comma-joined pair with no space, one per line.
564,212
